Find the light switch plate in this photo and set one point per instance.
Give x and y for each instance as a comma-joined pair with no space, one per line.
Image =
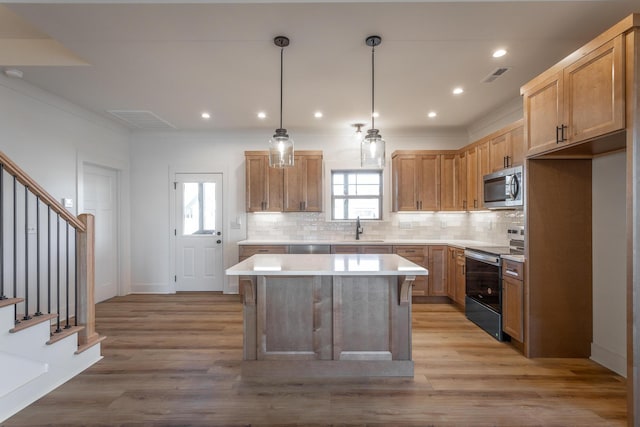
67,203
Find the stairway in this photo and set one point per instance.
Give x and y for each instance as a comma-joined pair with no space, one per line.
33,363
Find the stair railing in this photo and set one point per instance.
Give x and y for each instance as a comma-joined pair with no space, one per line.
64,264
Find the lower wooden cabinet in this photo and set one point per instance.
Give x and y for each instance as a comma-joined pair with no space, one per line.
513,299
455,275
437,267
420,256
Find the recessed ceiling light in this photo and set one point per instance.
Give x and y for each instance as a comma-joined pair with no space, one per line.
262,115
498,53
432,114
458,91
205,115
317,114
375,115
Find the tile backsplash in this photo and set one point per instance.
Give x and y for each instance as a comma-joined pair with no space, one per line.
490,227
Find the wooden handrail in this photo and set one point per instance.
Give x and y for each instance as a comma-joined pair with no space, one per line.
36,189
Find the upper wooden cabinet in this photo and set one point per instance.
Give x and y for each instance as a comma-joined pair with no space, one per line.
473,197
415,181
453,185
303,184
297,189
581,101
506,149
264,185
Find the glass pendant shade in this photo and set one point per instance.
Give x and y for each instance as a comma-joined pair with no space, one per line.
372,151
281,154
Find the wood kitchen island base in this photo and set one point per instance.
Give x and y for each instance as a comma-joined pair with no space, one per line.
330,322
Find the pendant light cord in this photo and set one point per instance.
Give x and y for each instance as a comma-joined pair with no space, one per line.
373,50
281,62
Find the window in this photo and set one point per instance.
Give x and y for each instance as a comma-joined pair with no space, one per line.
356,194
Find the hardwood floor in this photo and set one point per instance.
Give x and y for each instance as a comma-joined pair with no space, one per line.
174,360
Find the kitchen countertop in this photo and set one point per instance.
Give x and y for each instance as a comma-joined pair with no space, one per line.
326,265
457,243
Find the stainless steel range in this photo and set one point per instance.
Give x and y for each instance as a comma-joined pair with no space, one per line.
483,274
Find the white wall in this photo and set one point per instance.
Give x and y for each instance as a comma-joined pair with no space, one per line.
496,120
609,346
155,156
50,138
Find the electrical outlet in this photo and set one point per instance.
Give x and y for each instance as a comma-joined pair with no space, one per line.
31,230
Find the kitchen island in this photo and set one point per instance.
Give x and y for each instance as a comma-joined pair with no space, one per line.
327,315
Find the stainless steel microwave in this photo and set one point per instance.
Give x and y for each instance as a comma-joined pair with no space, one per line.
504,189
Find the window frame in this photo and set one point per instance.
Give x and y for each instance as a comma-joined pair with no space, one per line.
346,198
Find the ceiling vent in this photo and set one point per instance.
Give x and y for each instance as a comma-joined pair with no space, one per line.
145,120
495,74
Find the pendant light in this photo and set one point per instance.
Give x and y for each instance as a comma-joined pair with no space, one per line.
281,145
372,146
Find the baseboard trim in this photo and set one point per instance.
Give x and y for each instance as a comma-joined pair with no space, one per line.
609,359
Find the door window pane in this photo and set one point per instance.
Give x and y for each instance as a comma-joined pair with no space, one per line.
198,208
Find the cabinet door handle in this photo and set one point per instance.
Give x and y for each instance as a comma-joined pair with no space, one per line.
563,127
475,203
511,272
504,162
557,134
417,205
464,205
508,159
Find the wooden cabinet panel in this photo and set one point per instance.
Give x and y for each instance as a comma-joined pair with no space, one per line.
484,168
418,255
361,249
517,146
263,185
543,114
303,184
472,180
245,251
297,189
513,299
581,102
451,273
500,151
405,184
437,270
594,93
461,181
448,178
461,290
429,181
415,182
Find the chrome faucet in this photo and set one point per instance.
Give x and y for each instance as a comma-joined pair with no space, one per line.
359,229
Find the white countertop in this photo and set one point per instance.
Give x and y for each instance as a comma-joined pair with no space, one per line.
458,243
326,265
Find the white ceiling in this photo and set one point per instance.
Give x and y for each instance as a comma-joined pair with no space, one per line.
177,60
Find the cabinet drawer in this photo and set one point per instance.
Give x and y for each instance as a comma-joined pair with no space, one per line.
512,269
377,249
249,250
410,251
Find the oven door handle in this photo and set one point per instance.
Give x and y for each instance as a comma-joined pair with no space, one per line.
489,259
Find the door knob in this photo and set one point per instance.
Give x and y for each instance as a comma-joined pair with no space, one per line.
219,241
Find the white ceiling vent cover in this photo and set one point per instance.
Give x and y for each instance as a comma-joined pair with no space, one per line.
495,74
145,120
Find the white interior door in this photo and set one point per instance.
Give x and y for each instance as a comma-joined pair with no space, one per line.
199,264
100,198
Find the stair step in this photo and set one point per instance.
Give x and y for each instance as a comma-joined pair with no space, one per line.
10,301
57,336
35,320
18,371
90,344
